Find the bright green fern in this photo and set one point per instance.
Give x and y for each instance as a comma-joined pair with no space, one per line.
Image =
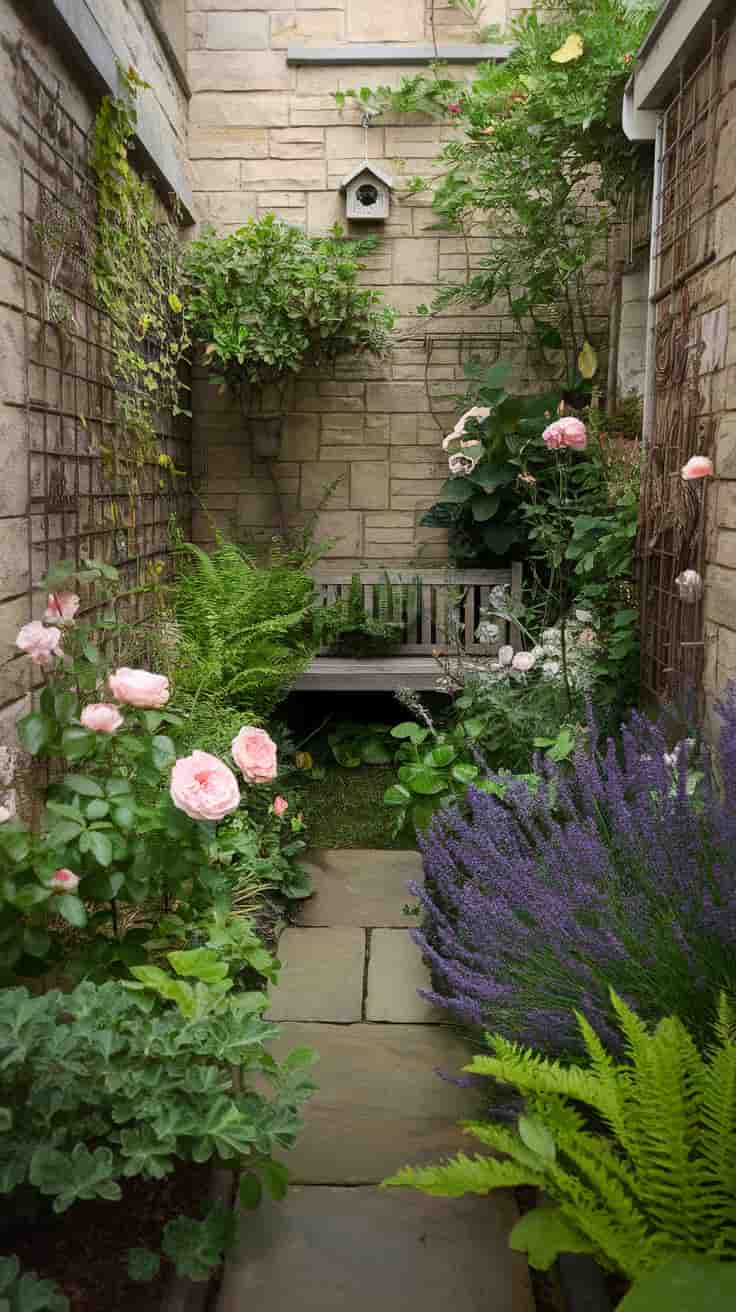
639,1157
245,631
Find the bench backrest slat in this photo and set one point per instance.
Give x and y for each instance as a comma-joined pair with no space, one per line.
441,607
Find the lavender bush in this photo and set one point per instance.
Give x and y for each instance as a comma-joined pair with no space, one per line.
619,870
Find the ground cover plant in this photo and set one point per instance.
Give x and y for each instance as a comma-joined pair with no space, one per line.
617,868
635,1154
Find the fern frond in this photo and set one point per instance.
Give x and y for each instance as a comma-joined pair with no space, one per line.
463,1175
535,1073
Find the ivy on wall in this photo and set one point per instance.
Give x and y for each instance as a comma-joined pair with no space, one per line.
136,274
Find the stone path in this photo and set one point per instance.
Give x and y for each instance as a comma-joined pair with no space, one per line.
348,988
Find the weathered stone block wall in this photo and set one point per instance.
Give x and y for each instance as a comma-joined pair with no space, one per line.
266,137
21,538
714,292
633,331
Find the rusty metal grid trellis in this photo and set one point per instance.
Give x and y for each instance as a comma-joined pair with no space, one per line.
672,517
79,504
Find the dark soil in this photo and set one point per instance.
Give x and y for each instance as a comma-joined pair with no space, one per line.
86,1249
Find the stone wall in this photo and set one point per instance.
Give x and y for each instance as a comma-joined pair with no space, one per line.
633,331
130,33
267,137
714,293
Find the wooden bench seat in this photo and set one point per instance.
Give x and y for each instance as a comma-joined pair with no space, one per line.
444,614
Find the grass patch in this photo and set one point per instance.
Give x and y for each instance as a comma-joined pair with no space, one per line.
346,809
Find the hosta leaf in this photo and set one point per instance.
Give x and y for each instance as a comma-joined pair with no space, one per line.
457,490
464,772
485,507
440,756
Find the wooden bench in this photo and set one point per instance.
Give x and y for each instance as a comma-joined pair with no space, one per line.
445,616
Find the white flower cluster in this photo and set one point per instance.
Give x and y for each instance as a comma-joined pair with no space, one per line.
546,656
463,455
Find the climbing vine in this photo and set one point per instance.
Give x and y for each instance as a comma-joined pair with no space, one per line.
136,274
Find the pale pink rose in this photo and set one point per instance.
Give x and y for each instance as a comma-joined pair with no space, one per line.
204,787
505,655
40,643
280,806
448,441
523,662
697,467
255,754
61,607
65,881
139,688
566,432
101,717
479,412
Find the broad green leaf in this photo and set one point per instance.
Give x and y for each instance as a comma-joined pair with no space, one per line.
397,795
543,1234
143,1264
485,507
414,732
71,908
76,743
250,1191
464,772
200,963
375,752
491,477
97,809
684,1284
426,782
116,787
82,784
276,1177
163,751
457,490
35,731
100,846
440,756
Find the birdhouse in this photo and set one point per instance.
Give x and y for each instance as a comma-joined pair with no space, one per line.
367,193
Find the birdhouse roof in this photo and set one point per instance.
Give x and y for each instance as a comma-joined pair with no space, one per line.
365,167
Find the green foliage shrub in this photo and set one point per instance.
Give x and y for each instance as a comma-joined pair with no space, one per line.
268,299
244,628
637,1155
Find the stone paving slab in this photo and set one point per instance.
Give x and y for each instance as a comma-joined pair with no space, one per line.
395,972
321,977
380,1102
328,1249
360,886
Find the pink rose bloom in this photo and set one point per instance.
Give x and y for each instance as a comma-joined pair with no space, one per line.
61,607
453,109
697,467
255,754
569,432
460,464
523,662
101,717
40,643
204,787
65,881
139,688
280,806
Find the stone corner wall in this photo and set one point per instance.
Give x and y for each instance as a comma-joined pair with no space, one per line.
28,439
266,137
715,290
